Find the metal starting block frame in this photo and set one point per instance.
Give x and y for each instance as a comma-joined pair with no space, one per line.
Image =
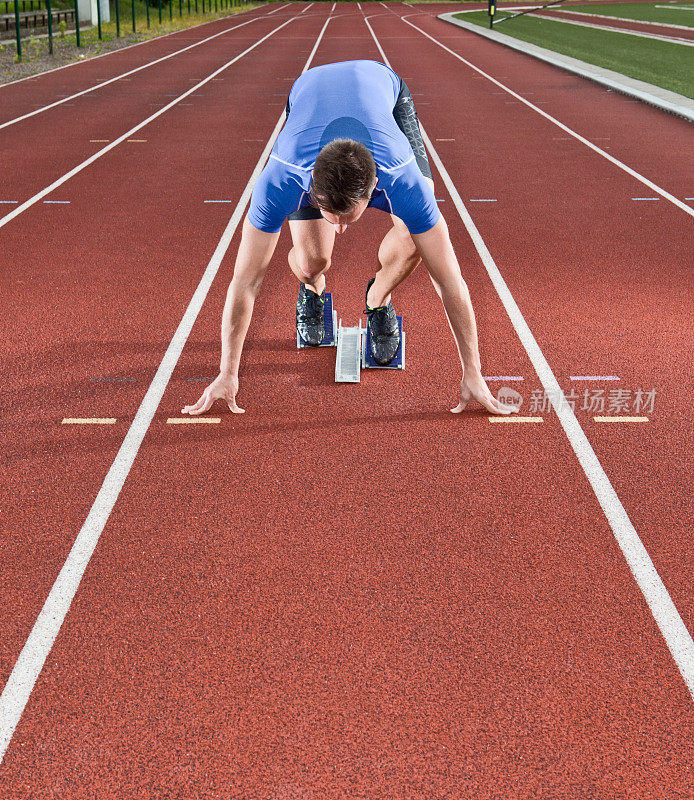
353,346
354,353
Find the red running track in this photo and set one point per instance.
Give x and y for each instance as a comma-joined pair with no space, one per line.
349,592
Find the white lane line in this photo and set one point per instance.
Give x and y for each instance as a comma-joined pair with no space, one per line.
515,419
216,201
503,377
58,202
666,615
621,419
64,100
645,181
88,421
645,198
120,50
594,377
9,202
28,666
307,8
40,195
482,200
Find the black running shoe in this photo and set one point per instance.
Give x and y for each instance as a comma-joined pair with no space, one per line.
309,316
384,330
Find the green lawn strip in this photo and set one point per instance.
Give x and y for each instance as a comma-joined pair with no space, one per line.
642,11
665,64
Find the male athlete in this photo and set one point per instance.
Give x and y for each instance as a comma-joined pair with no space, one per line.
351,140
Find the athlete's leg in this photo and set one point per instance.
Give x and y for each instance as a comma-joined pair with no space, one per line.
397,258
309,258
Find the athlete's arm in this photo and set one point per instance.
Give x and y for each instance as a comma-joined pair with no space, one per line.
437,253
254,255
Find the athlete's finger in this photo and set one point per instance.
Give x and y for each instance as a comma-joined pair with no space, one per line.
234,408
190,409
492,404
208,399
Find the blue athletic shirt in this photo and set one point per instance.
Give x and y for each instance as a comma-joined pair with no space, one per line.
346,100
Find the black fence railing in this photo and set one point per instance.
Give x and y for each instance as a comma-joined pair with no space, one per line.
7,6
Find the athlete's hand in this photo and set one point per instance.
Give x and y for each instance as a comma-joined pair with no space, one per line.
223,387
474,387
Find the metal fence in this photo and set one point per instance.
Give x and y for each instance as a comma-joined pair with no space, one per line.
42,14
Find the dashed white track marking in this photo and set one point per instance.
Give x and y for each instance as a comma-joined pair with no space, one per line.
88,421
634,174
514,418
594,377
28,667
666,615
621,419
192,420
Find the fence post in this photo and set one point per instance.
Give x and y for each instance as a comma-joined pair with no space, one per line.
133,9
180,8
19,35
77,24
147,7
98,18
49,11
159,6
117,18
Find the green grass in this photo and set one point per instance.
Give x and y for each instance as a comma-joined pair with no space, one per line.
666,64
643,11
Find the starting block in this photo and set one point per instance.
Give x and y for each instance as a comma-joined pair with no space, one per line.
353,346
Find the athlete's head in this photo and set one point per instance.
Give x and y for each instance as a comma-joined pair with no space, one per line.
344,177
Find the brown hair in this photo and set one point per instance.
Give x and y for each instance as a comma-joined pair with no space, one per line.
343,175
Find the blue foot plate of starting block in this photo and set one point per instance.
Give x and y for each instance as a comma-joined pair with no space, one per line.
367,360
330,322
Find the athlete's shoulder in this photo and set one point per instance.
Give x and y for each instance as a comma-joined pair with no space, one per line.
410,196
364,69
